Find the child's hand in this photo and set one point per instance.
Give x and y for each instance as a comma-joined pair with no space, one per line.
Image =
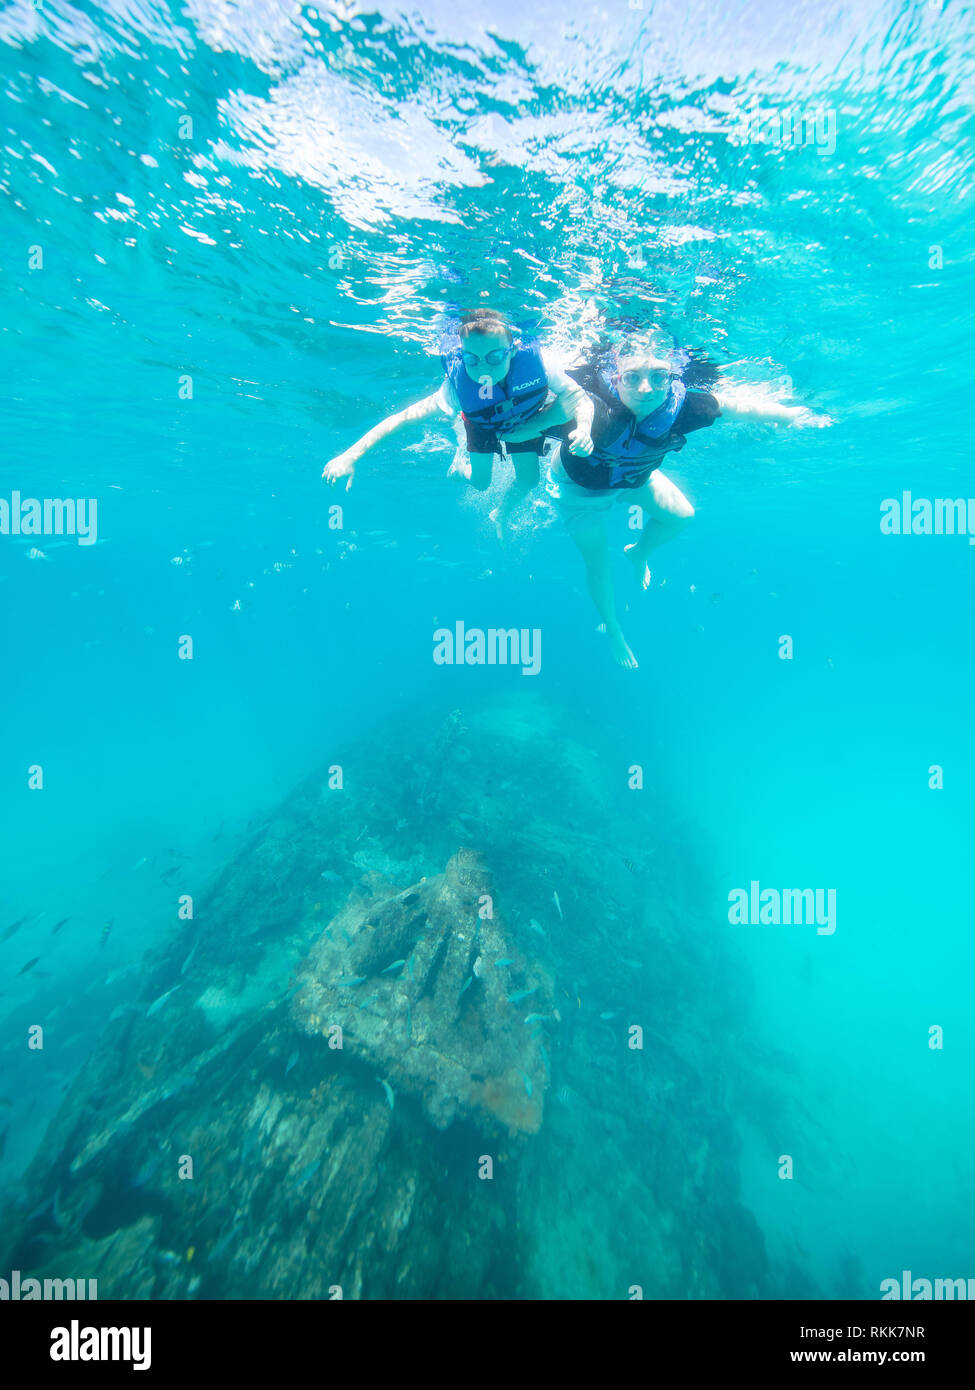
342,466
580,441
808,419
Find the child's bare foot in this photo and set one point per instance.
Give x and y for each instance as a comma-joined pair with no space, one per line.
500,523
622,650
640,567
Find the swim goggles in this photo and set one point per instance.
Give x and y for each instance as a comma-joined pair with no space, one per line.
491,359
658,377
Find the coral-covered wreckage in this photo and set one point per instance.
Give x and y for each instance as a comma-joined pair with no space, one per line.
376,1061
413,981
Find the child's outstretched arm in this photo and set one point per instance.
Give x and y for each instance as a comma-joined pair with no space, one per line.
343,465
575,399
759,408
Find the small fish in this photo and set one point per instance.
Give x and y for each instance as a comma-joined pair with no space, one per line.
366,1002
150,1168
106,932
292,1062
478,966
29,966
174,869
389,1091
120,974
504,960
610,1013
536,1018
558,905
157,1004
58,925
520,994
528,1083
348,938
396,965
330,876
308,1171
633,964
120,1011
353,980
138,864
409,964
11,929
190,1252
536,927
466,985
629,864
186,963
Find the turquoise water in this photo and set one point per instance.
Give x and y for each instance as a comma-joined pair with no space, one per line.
272,206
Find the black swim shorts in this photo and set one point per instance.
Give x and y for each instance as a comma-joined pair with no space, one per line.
483,441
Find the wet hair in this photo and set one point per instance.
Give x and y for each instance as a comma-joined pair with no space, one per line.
653,344
485,321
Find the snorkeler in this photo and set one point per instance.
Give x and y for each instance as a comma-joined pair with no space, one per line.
644,408
496,382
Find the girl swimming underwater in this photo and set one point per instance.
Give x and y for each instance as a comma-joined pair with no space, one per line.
497,382
644,407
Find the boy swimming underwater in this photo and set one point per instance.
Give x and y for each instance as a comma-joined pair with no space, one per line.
643,409
497,382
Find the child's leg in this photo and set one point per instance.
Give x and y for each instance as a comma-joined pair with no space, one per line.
474,459
666,511
526,466
594,548
474,469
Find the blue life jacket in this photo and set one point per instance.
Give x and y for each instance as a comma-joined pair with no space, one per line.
629,450
512,401
626,452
